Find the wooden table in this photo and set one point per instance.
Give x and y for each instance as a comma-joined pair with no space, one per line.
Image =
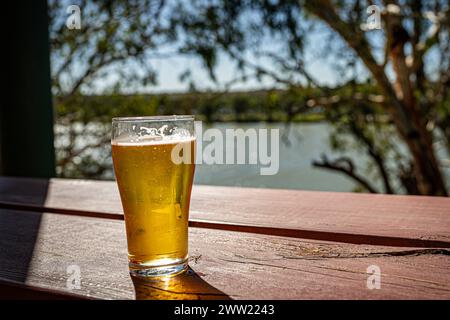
244,244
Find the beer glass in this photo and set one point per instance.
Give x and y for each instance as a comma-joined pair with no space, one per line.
154,167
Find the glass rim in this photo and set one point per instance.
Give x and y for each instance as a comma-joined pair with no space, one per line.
153,118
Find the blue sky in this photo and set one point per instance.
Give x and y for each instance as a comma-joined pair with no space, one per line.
169,69
322,69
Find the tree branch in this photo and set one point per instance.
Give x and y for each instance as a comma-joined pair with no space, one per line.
374,154
325,11
346,166
409,122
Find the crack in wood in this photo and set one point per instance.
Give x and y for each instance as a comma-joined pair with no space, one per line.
404,253
437,286
288,268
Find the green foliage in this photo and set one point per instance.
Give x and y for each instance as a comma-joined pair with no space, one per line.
124,36
117,35
102,108
273,105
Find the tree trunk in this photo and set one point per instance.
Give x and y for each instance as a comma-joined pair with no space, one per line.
418,138
400,101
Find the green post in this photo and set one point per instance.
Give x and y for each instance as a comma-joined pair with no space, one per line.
26,113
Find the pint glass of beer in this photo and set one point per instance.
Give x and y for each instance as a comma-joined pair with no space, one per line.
154,167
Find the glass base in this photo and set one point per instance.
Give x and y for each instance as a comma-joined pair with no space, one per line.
146,271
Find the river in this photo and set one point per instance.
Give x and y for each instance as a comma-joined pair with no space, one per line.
300,145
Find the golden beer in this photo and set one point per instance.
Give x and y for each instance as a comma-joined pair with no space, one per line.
155,193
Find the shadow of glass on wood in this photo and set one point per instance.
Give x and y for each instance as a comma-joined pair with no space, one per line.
186,286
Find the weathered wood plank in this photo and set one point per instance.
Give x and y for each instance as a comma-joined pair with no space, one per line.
38,247
353,218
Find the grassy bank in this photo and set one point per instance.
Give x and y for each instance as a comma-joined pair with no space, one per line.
253,106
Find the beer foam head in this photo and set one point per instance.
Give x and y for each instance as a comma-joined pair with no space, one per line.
162,135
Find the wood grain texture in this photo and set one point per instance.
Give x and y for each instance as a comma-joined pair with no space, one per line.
225,264
353,218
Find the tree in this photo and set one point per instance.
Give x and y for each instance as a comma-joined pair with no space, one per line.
124,36
120,37
395,81
413,47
